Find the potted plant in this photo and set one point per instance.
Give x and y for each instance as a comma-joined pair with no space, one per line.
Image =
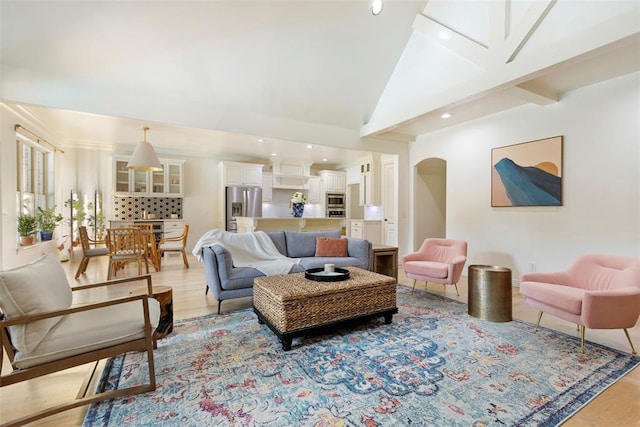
174,214
47,222
26,227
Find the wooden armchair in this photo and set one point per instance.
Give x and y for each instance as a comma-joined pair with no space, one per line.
174,244
42,333
87,251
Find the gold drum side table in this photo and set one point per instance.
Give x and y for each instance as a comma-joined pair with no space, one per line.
490,293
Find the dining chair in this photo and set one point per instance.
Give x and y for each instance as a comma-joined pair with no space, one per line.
174,244
126,245
88,251
151,246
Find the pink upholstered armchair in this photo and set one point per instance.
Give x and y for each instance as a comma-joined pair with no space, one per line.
438,261
596,292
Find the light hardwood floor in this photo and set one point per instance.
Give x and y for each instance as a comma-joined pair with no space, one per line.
617,406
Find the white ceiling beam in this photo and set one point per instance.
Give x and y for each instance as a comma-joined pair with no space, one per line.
535,92
498,28
452,40
611,34
393,137
524,29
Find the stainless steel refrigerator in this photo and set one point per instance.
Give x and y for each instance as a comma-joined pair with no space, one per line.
242,201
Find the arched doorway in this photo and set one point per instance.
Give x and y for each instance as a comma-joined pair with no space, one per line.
430,200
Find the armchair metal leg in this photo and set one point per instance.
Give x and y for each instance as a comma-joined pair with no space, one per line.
456,285
219,304
414,285
582,328
633,350
538,322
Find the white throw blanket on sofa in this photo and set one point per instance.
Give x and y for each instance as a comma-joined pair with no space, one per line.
254,250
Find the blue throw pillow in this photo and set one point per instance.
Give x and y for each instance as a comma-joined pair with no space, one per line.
303,244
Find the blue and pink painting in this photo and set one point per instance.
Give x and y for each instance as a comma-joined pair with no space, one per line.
527,174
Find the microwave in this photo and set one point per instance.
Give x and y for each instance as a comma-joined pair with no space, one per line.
335,200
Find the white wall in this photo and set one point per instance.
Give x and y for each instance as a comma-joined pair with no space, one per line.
601,179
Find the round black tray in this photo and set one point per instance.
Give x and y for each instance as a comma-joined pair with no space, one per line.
319,275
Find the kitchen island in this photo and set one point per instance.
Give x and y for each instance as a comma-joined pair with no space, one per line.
249,224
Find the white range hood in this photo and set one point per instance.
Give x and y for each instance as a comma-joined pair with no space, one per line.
291,174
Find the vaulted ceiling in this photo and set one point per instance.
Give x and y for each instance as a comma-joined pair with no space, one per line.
211,77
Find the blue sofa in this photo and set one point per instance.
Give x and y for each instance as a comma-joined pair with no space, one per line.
226,281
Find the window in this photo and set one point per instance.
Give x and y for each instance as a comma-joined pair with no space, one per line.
35,176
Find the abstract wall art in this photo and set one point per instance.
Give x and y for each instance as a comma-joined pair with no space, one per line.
527,174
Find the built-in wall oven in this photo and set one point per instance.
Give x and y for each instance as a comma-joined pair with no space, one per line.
336,205
335,200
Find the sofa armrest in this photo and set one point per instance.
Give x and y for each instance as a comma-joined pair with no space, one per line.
359,248
211,268
611,309
557,278
456,266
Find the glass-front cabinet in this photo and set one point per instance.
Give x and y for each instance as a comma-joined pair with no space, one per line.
164,183
173,172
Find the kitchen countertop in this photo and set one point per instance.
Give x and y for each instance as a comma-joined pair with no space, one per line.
289,217
150,219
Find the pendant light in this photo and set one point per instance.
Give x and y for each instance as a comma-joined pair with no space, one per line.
144,157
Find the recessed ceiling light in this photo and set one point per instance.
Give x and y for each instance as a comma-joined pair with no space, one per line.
444,35
445,116
376,7
309,146
324,160
260,140
273,154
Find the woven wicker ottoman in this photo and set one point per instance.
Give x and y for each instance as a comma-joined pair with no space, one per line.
292,305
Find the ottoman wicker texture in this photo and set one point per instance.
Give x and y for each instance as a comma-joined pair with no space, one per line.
292,305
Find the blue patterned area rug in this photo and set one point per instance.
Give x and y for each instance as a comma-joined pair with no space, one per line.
434,365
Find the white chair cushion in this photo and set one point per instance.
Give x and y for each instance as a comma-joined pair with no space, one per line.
171,246
90,330
31,289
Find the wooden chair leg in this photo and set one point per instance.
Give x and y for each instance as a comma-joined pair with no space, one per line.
184,259
80,267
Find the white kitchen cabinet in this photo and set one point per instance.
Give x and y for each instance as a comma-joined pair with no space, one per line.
267,187
370,181
164,183
313,190
241,174
174,176
334,181
172,228
366,229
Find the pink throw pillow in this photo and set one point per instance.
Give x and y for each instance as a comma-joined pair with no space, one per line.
330,246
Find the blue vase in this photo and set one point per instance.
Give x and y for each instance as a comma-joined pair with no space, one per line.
46,235
298,209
